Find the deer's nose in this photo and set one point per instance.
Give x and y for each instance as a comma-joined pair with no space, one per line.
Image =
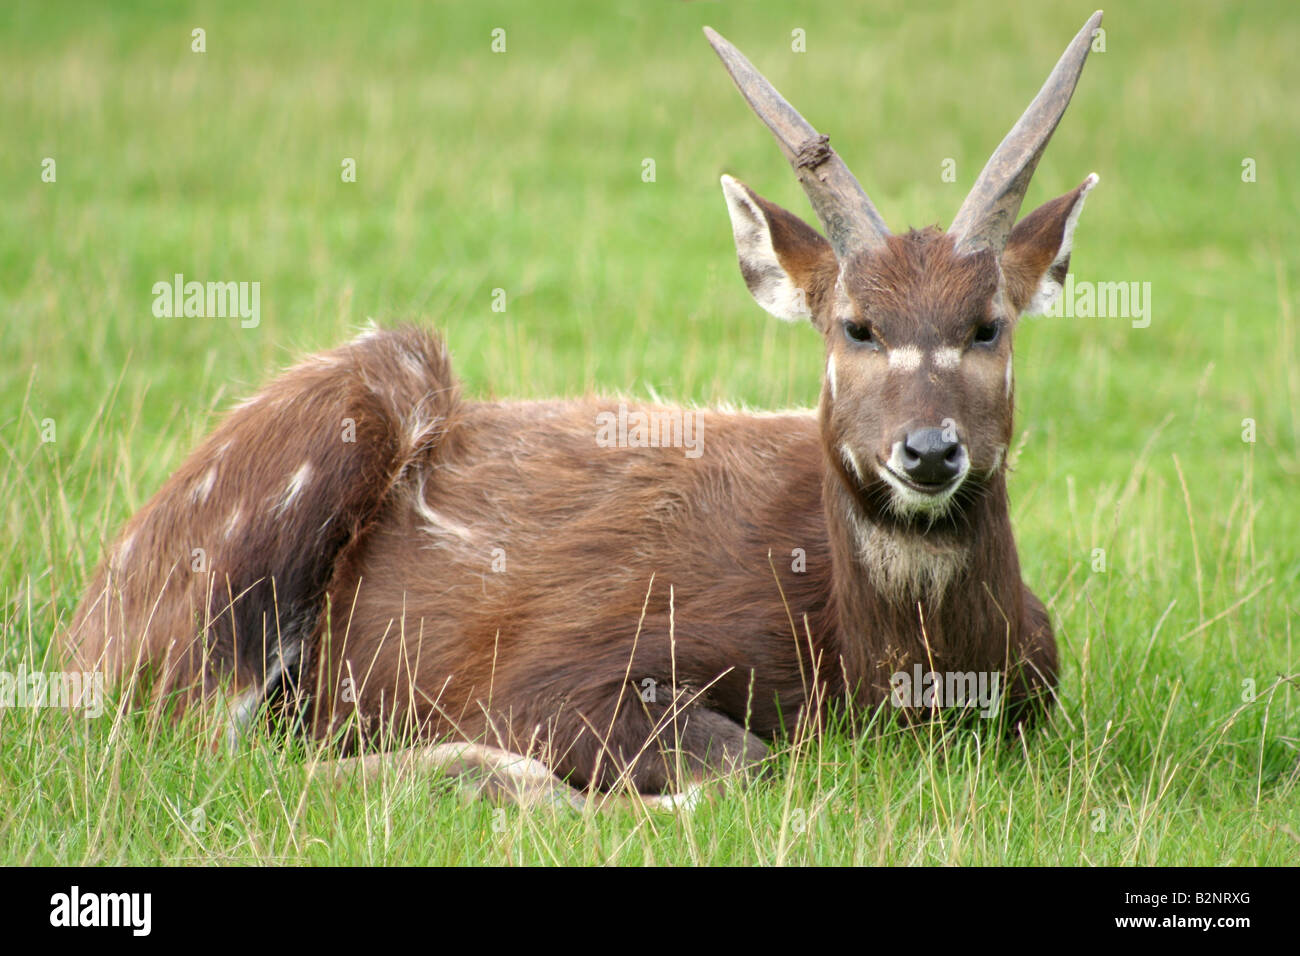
929,458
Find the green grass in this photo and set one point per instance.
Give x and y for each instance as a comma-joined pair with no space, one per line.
522,171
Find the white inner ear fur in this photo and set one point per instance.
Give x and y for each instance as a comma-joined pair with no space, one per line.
768,282
1048,287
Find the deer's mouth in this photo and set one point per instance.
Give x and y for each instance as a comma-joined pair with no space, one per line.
923,488
907,497
911,498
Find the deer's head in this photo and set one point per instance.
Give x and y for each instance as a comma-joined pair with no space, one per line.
916,402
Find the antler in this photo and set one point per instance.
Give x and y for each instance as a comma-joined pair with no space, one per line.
986,217
851,221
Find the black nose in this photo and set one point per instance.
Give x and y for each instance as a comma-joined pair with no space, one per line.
931,459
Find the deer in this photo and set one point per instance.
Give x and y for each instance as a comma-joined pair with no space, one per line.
488,589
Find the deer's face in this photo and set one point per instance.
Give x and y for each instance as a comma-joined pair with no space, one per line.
917,395
916,401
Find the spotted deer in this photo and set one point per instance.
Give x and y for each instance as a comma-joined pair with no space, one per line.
539,612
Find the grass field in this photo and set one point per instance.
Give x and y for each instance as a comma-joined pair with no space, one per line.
1178,736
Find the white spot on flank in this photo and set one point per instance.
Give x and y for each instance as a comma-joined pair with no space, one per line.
232,523
907,358
830,374
294,488
946,358
437,524
204,487
423,432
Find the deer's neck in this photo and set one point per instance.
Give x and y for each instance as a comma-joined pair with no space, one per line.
947,598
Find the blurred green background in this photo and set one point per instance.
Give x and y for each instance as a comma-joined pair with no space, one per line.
523,171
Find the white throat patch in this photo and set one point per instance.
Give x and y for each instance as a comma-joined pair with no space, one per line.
907,566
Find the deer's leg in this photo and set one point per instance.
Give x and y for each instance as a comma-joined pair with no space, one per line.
649,755
480,772
503,777
711,748
664,751
1031,686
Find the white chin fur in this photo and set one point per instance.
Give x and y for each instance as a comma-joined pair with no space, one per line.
908,502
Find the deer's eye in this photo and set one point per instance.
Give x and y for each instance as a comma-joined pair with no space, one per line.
861,333
987,333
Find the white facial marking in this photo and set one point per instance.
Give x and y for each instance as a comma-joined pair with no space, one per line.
1010,375
830,375
998,455
946,358
907,358
851,460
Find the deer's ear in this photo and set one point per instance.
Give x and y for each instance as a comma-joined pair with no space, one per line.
786,263
1037,255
